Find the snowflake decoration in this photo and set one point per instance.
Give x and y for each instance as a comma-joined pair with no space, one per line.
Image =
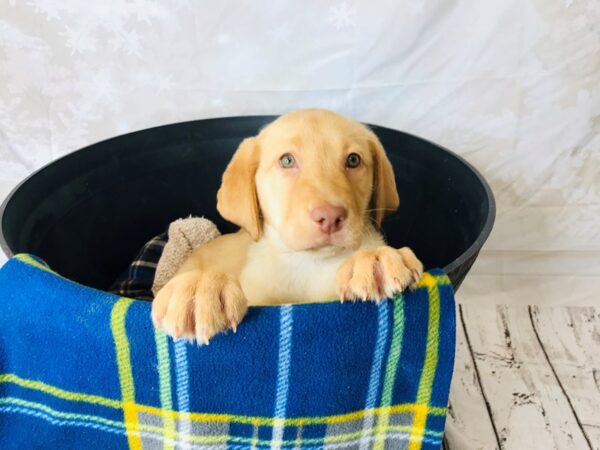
341,16
163,82
127,41
103,88
79,40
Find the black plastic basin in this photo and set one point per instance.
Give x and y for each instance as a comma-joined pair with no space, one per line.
87,213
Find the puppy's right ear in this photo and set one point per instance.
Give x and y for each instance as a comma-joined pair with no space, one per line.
237,200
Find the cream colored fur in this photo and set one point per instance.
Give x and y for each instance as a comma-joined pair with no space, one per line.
308,229
272,274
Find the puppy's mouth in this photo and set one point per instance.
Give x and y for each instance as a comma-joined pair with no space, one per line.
294,239
334,241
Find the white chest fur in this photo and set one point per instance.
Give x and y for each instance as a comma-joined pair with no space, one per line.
273,275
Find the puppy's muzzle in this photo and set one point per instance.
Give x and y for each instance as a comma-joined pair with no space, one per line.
328,218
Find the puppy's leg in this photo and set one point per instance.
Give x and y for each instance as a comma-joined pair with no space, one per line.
205,297
374,274
198,304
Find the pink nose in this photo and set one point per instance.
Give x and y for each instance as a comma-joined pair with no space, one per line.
329,218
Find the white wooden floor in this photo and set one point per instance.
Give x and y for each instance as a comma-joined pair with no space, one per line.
526,377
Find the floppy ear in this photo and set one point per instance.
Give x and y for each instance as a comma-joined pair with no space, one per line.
385,198
237,200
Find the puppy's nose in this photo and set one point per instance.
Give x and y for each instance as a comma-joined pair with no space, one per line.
329,218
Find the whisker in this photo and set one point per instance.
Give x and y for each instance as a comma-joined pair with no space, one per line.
379,209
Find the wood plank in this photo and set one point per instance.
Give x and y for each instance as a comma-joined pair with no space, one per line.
468,424
571,339
528,406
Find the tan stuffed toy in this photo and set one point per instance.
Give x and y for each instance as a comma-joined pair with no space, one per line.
184,236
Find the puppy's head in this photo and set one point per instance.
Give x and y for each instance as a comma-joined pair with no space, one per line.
313,177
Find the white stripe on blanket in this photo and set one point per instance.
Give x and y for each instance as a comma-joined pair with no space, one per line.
374,378
183,390
283,372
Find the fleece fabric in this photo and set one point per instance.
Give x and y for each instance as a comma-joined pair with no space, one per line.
81,368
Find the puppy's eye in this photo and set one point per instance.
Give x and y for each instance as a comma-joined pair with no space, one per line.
353,161
287,161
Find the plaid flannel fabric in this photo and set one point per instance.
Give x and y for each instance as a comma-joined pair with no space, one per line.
136,281
88,370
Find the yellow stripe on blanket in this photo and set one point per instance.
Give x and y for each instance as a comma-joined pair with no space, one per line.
206,417
430,364
58,392
117,326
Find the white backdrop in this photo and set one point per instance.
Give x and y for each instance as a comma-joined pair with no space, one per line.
513,86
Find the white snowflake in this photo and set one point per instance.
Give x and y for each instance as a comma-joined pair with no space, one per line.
128,42
163,82
79,39
341,16
103,92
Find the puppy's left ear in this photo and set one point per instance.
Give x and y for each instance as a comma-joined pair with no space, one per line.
237,200
385,198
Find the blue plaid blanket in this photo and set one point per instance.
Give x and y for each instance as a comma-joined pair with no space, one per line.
81,368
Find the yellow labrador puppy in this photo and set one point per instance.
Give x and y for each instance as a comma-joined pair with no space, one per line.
309,193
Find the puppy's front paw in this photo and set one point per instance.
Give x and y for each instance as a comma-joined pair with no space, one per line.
378,273
198,305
